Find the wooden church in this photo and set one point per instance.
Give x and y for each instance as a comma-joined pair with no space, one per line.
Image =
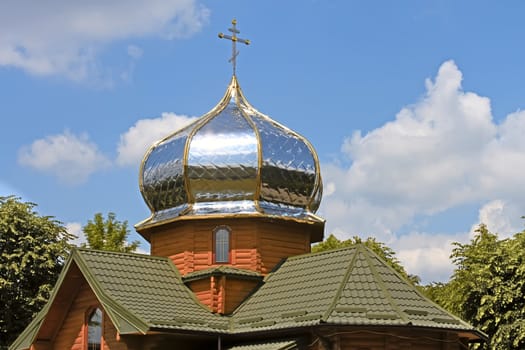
233,198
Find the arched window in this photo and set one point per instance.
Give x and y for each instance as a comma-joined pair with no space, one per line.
222,244
94,330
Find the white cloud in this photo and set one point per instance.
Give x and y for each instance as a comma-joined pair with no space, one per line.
75,228
70,157
427,254
64,37
502,217
135,142
443,152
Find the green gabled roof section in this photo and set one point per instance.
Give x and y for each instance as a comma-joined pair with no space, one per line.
139,293
272,345
222,270
376,294
144,292
349,286
27,337
297,294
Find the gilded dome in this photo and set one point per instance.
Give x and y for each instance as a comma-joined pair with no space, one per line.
233,160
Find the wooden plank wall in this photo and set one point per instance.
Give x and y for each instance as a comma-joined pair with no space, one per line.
235,293
71,333
276,242
203,291
256,245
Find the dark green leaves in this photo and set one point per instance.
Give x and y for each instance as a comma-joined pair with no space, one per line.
32,250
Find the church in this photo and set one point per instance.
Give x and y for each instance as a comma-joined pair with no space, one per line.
233,198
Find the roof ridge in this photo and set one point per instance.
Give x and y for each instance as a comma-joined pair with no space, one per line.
103,296
381,283
111,252
186,288
328,251
413,287
344,281
33,327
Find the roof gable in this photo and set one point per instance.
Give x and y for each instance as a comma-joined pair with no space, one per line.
138,292
349,286
147,292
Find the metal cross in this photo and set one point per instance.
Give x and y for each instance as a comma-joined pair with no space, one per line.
234,40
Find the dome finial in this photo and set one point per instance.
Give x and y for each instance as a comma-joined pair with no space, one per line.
234,40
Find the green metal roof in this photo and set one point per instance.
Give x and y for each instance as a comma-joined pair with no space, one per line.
223,270
139,293
147,288
349,286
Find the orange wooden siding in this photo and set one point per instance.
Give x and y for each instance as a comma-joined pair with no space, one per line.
235,293
255,245
71,334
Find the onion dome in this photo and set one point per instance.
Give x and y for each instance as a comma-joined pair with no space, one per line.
232,161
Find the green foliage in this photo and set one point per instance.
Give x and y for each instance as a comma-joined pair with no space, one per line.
381,249
487,288
32,251
108,234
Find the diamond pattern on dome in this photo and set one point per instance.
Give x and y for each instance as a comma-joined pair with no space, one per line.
233,160
288,172
163,173
222,159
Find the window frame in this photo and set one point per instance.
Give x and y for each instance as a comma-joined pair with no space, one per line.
89,313
216,230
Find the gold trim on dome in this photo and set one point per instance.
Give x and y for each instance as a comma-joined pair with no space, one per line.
238,98
315,220
219,107
270,202
302,138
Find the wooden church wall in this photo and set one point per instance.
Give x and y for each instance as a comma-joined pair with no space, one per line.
235,293
72,332
275,242
255,244
221,294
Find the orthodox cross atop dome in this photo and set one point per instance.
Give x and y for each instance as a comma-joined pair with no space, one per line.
234,39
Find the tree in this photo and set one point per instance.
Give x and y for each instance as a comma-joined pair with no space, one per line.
381,249
487,288
32,251
108,234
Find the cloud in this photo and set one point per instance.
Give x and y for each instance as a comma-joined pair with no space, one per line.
64,37
502,217
135,142
427,254
70,157
441,153
75,228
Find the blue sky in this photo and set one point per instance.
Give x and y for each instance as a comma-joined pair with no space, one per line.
414,107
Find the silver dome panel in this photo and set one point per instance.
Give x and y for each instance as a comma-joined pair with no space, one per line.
232,161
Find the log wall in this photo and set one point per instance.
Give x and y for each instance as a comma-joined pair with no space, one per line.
72,333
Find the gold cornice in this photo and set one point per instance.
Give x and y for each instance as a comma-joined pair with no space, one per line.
143,225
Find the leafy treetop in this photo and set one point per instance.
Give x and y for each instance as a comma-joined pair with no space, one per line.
108,234
487,288
32,251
